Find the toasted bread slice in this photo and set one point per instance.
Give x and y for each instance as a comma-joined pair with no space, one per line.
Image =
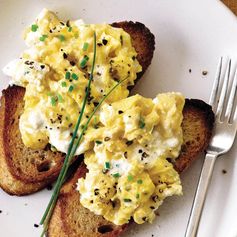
71,219
23,170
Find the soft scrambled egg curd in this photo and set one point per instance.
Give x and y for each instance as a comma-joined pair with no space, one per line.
129,175
128,141
55,70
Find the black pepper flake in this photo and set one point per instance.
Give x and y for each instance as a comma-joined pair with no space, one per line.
204,73
36,225
144,155
155,198
133,57
224,171
42,66
98,74
160,190
49,187
91,201
190,70
125,154
72,63
95,103
68,23
106,139
0,211
144,218
62,23
99,44
120,112
104,41
50,31
70,125
64,55
128,143
152,208
96,191
140,151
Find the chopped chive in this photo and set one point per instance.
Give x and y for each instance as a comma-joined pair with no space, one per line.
67,118
137,195
74,76
127,200
116,175
43,37
71,88
60,98
69,29
98,142
34,27
85,46
61,37
67,75
139,181
107,165
84,61
141,123
63,84
53,101
49,94
130,177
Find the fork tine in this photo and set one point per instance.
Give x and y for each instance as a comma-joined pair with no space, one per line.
216,83
224,90
231,98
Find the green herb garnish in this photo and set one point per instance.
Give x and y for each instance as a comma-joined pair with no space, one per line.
71,88
84,61
63,84
61,38
116,175
34,27
85,46
130,177
53,101
74,76
139,181
60,98
73,146
43,37
127,200
141,123
137,195
69,29
67,75
107,165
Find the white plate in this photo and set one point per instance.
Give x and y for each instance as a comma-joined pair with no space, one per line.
189,34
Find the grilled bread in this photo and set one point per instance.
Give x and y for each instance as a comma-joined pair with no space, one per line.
71,219
23,170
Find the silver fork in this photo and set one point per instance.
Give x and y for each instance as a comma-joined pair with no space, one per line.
221,142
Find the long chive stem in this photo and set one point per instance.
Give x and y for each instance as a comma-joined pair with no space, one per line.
61,176
73,147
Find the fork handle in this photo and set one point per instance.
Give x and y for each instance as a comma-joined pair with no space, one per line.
200,195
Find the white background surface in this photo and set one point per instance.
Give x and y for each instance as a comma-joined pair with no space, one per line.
190,34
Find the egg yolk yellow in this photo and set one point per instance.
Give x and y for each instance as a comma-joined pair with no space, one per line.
55,70
129,175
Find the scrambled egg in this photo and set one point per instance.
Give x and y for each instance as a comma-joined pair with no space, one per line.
55,70
128,141
129,175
